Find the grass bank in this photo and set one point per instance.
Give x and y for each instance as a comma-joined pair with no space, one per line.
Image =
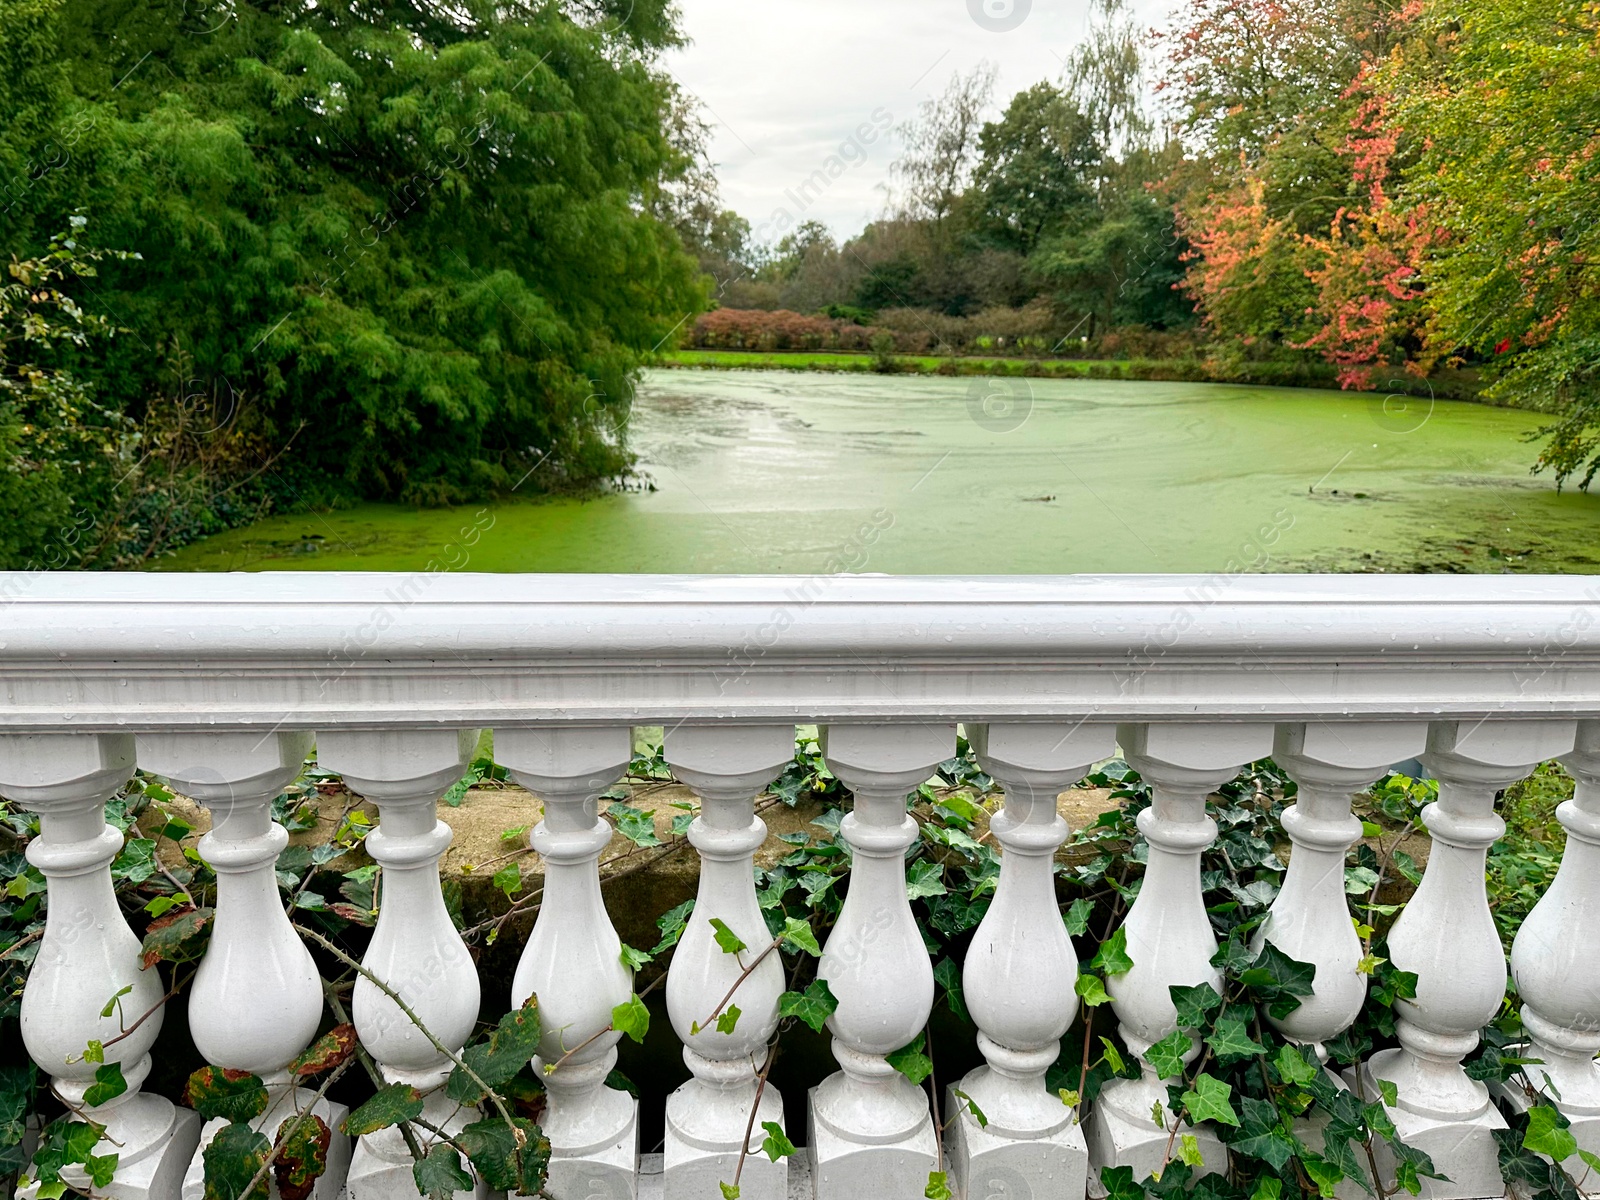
1444,385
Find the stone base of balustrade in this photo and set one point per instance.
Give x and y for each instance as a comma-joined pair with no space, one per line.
1462,1149
608,1173
983,1164
155,1175
330,1184
376,1176
1585,1129
846,1170
693,1171
1116,1140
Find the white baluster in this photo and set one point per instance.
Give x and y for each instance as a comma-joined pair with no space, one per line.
1555,962
573,959
256,1000
1447,936
871,1134
1020,974
415,948
707,1117
1169,934
1310,919
88,955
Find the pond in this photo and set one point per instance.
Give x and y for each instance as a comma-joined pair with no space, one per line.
772,471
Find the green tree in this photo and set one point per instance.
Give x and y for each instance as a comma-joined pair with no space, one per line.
417,239
1037,168
1503,96
1122,270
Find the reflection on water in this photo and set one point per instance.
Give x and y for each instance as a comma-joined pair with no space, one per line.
779,472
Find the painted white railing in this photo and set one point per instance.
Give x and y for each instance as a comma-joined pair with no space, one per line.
222,683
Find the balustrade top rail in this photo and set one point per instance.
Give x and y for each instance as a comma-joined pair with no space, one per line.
98,652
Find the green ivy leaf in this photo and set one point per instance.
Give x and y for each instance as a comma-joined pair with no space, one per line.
631,1018
1077,916
672,923
1548,1133
776,1144
813,1006
725,937
231,1161
972,1107
439,1174
638,827
221,1092
1389,1092
1231,1040
1208,1101
947,974
1091,990
728,1019
1189,1150
1112,957
1326,1175
1294,1066
1278,980
938,1187
509,879
395,1103
1193,1004
1119,1184
911,1062
634,959
925,878
1268,1187
1166,1056
730,1191
108,1085
1113,1058
799,934
302,1155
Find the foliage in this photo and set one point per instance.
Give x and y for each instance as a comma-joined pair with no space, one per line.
422,234
1499,94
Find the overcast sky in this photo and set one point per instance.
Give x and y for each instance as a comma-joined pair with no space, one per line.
787,83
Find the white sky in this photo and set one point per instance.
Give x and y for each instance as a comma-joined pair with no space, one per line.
786,82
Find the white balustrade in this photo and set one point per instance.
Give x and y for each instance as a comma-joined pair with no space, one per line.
1555,963
415,949
256,999
1169,935
1310,920
573,959
1338,677
1447,936
1020,974
708,1117
871,1133
89,957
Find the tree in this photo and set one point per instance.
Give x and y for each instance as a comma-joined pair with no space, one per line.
1105,77
939,147
422,234
1122,270
1502,98
1037,168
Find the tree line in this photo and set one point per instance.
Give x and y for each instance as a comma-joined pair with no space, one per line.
1386,188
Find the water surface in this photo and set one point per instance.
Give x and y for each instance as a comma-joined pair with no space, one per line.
790,472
